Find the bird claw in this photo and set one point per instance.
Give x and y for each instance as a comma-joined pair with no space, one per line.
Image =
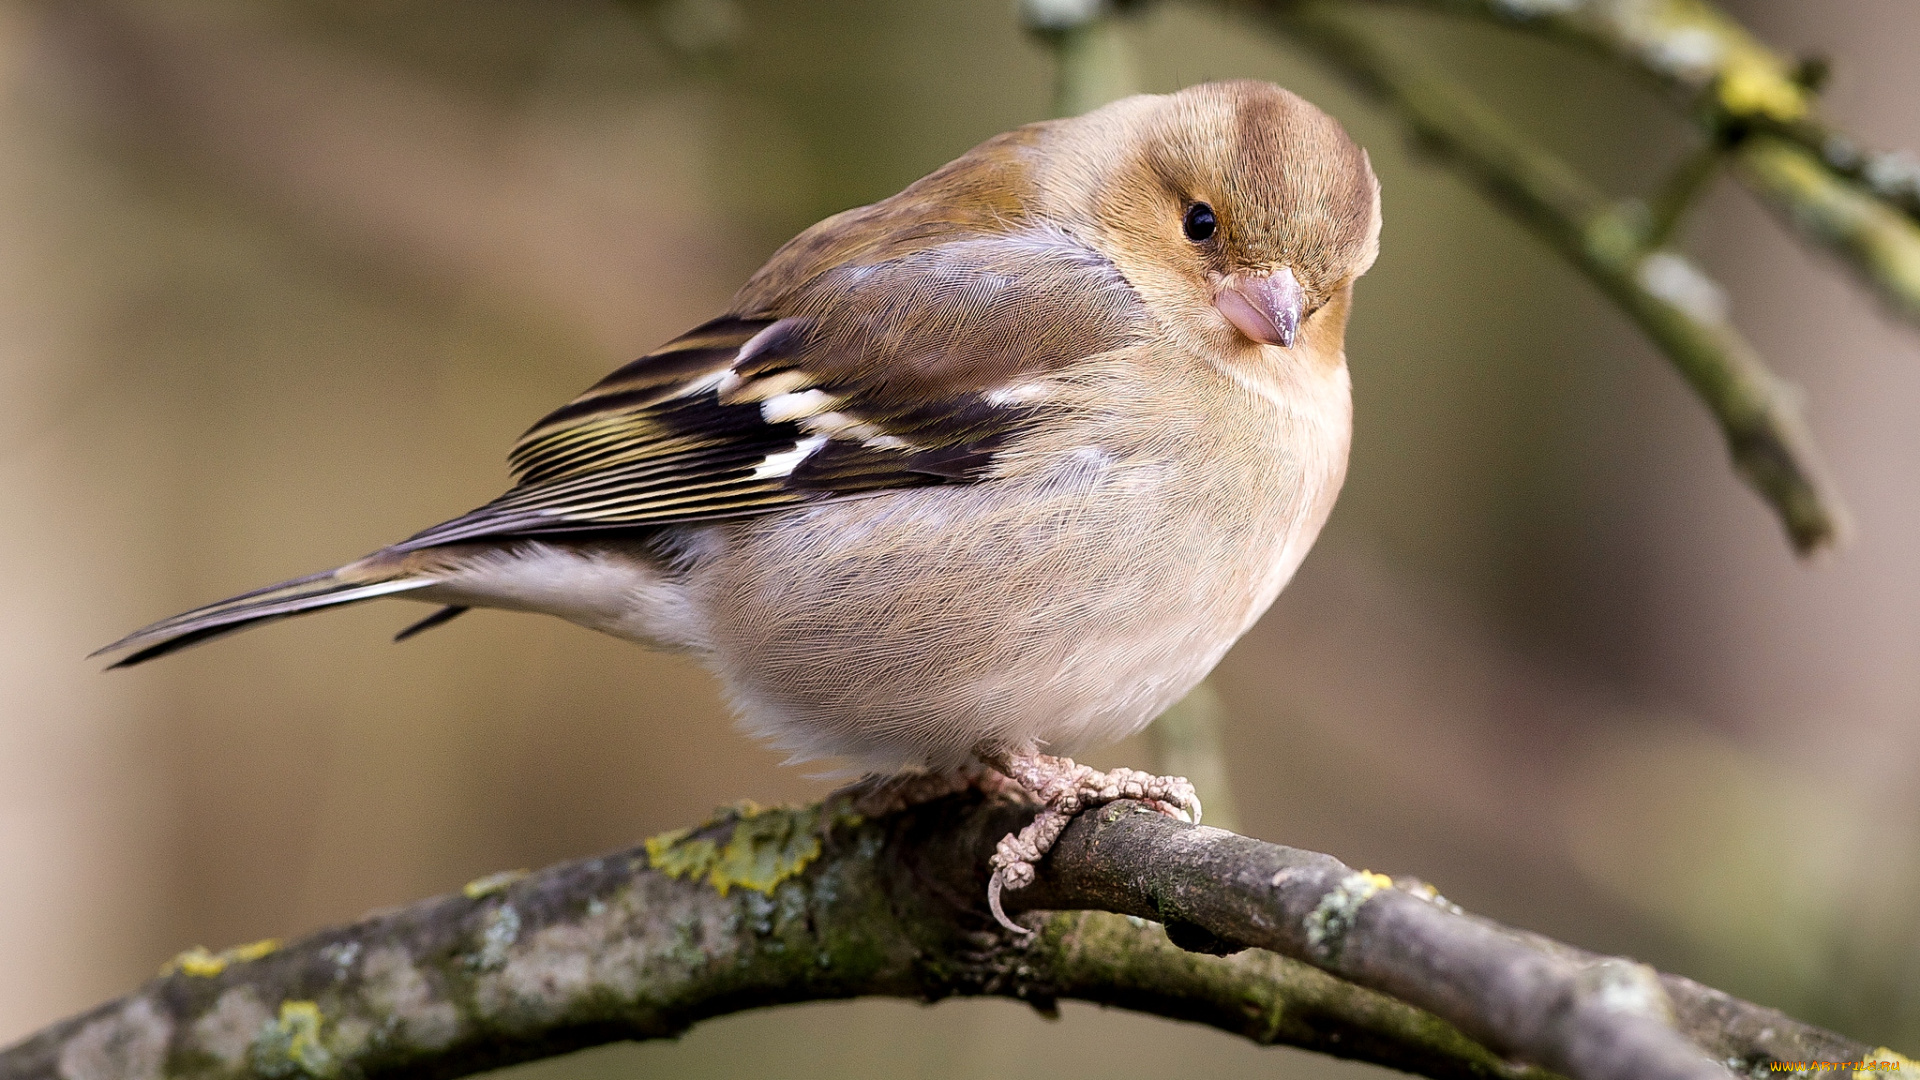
1065,788
1187,810
994,885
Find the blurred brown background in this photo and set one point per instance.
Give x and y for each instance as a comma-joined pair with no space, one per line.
280,281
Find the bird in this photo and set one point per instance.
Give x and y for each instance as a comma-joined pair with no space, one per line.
965,481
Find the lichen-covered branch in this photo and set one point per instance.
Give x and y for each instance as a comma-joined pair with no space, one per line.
764,907
1527,997
1889,175
1731,81
1873,236
1689,47
1683,311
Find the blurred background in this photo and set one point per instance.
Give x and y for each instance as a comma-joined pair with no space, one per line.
280,280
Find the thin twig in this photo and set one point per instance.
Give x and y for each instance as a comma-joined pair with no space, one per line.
1877,239
1667,207
762,907
1092,53
1892,175
1718,71
1679,307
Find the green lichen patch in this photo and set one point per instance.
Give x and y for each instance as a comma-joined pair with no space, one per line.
756,848
1333,918
502,930
290,1045
674,855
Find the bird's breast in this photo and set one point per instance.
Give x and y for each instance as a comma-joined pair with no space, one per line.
1121,547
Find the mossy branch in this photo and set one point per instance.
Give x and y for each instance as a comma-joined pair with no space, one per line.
1616,245
765,907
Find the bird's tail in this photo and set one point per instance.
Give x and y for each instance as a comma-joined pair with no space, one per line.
349,584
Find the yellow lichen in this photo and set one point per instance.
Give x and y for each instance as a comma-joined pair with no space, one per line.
240,954
195,961
291,1044
480,888
198,962
1888,1057
301,1021
1755,86
657,846
763,848
674,855
1331,920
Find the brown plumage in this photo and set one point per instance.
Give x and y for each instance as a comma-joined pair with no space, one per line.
1001,464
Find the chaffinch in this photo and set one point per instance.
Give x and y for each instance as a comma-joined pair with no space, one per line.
1000,465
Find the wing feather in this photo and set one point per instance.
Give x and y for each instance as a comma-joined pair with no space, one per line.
907,370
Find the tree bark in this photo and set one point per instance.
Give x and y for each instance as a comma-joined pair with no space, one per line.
765,907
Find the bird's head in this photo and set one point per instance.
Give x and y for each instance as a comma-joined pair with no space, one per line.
1239,211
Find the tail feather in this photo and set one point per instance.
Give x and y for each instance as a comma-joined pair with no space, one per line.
289,598
439,618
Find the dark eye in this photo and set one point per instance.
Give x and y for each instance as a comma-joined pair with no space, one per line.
1199,222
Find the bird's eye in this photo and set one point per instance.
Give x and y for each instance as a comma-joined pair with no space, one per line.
1199,222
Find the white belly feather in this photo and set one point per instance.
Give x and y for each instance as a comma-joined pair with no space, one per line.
1115,580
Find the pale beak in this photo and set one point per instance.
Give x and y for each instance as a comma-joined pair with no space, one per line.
1265,307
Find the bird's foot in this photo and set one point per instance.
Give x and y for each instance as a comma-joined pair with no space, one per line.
1065,788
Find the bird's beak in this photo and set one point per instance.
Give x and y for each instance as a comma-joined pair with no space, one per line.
1265,307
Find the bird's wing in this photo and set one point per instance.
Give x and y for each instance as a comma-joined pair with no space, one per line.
900,372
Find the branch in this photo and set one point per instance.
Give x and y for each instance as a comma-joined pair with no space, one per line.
1874,236
1093,60
1678,306
1668,206
1710,65
764,907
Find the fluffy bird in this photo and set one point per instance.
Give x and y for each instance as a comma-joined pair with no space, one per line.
981,474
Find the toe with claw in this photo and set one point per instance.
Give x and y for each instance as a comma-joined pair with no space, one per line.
1065,788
